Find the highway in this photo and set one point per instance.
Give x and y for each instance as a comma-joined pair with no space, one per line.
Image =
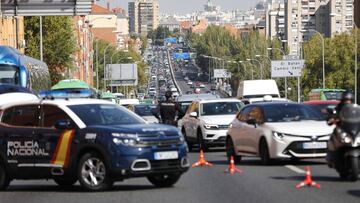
256,183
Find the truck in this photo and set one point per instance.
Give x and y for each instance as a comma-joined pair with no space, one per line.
256,90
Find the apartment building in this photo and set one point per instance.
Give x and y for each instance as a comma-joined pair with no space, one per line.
143,16
341,16
12,32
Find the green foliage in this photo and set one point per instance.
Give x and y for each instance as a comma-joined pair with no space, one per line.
58,43
339,62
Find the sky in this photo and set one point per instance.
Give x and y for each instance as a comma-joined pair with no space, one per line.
187,6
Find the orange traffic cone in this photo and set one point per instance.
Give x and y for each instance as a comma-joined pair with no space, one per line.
232,168
202,161
308,181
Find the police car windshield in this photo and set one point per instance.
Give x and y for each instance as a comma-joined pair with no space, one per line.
105,114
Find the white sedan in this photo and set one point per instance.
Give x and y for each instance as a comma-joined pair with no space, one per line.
277,130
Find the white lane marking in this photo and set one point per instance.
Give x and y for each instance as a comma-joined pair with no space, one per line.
295,169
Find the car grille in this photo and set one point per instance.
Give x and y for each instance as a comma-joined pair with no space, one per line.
164,143
223,127
165,165
297,148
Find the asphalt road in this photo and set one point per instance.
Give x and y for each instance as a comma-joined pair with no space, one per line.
256,183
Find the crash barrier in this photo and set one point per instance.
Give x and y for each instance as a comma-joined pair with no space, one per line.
172,73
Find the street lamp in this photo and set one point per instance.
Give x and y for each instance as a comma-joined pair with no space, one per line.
285,79
261,68
323,53
105,63
271,48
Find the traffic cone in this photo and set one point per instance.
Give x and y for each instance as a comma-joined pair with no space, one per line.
202,161
308,181
232,168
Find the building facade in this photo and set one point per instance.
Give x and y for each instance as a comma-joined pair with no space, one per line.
12,32
143,16
341,16
304,18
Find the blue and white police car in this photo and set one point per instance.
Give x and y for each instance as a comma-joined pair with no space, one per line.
91,141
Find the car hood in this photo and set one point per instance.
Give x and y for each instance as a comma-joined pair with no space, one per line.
301,128
218,120
150,119
141,129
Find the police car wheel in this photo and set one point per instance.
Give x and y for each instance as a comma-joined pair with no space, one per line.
65,181
92,172
164,180
4,179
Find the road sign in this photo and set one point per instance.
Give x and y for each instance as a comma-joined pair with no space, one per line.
121,74
221,73
287,68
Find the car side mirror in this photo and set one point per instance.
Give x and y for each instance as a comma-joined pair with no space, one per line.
64,124
251,121
194,114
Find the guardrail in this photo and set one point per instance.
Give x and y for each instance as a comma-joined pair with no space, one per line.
172,73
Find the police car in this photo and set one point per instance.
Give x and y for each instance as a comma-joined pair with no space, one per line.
91,141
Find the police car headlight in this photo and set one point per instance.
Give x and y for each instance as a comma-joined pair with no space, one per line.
125,139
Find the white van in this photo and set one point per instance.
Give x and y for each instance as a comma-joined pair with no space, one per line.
256,90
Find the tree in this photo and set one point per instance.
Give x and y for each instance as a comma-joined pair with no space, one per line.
59,43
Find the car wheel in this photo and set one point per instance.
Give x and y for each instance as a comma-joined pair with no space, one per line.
230,151
93,174
65,181
201,142
4,178
190,145
264,152
164,180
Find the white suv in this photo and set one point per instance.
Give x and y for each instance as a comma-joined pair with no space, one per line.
206,121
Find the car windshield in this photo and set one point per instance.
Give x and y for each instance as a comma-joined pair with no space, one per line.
322,108
105,114
9,74
144,110
220,108
333,95
289,112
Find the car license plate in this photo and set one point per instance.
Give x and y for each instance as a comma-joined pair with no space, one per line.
314,145
166,155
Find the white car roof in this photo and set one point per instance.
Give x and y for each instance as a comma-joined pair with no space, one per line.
58,102
9,98
219,100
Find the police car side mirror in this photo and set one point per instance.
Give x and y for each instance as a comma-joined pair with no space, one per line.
64,124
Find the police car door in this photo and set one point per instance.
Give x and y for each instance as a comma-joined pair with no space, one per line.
56,142
18,142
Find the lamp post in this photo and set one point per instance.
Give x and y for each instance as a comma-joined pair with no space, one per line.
261,68
356,58
323,54
285,79
96,46
105,63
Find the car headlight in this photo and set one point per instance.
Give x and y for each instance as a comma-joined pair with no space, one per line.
125,139
357,140
208,126
278,136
